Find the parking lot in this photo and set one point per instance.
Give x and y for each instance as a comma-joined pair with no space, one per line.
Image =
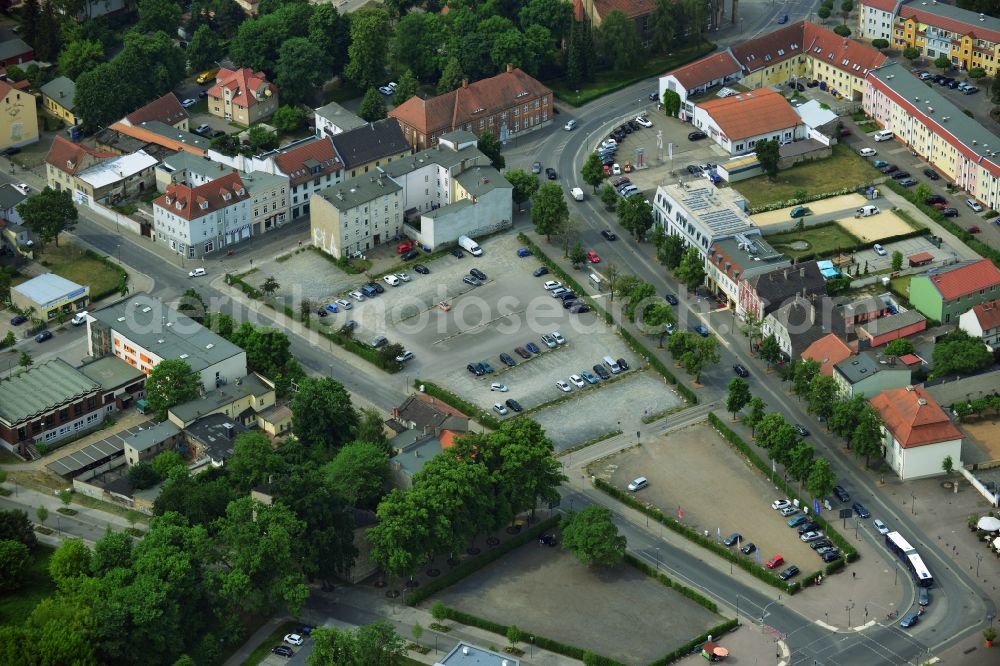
695,471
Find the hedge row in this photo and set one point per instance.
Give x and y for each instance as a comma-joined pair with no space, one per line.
558,271
365,351
474,564
122,276
850,553
672,584
807,199
699,538
696,643
461,405
659,366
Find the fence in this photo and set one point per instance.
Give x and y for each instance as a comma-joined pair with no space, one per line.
121,221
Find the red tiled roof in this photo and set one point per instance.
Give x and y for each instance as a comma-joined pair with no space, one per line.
988,314
913,417
809,39
827,351
71,157
240,81
143,134
884,5
298,162
752,113
630,8
166,109
921,257
909,359
186,202
709,68
964,279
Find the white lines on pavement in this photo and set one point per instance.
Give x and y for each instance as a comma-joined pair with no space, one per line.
828,627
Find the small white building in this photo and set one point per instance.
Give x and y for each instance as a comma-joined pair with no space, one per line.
739,121
697,77
983,321
334,119
918,435
195,221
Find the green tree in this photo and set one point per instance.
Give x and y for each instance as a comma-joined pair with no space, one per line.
592,171
70,560
899,347
270,285
378,644
15,526
911,53
549,212
261,138
14,562
171,382
822,395
142,475
514,635
800,462
691,270
880,44
417,631
821,479
753,418
823,13
707,350
867,438
921,192
370,33
158,15
25,361
897,260
300,70
635,214
958,353
805,370
680,344
977,73
844,418
42,513
490,146
625,285
670,251
611,275
204,49
253,462
947,465
842,30
671,103
401,535
288,119
407,88
846,7
359,472
80,56
113,550
451,76
414,45
577,255
167,461
656,318
618,41
942,62
663,24
592,536
738,396
49,213
525,185
641,296
371,429
322,413
768,155
609,198
372,106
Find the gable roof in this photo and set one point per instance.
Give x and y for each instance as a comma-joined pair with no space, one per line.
370,142
953,19
12,48
710,68
913,417
71,158
62,91
827,351
9,197
987,314
193,202
245,84
798,317
166,109
42,388
751,113
805,38
429,414
630,8
468,102
774,287
963,278
308,160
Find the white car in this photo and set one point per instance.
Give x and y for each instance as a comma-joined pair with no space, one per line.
868,152
389,88
79,318
198,272
497,386
557,336
880,526
644,121
570,125
294,639
202,129
405,277
879,250
552,284
549,341
391,280
778,505
357,295
404,357
616,169
577,381
344,304
188,103
563,386
500,409
22,188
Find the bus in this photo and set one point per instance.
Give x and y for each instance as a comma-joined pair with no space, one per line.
909,556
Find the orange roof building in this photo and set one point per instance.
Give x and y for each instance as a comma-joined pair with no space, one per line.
738,122
828,351
243,96
65,159
196,221
983,321
918,433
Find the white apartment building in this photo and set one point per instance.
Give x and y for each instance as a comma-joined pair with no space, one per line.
196,221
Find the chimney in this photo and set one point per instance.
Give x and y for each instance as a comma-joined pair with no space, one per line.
510,68
786,274
465,83
802,274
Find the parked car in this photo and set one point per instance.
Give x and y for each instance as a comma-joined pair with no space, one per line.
294,639
552,284
589,376
523,252
822,543
43,336
644,121
777,505
701,330
404,357
609,235
811,536
601,371
475,369
533,348
696,136
487,368
889,168
579,308
788,511
741,371
732,539
795,521
879,250
17,320
540,271
907,182
801,429
789,572
410,256
748,548
974,205
878,164
472,280
934,199
536,167
693,169
549,341
949,212
557,336
808,526
974,229
563,386
550,173
497,386
500,409
868,152
775,562
900,175
577,381
670,298
507,360
932,174
420,268
457,253
514,405
623,364
548,540
910,620
522,352
592,257
198,272
638,483
799,211
830,556
332,307
478,274
389,88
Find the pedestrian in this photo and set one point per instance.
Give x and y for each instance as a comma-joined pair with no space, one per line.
854,575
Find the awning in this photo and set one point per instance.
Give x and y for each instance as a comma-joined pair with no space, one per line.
989,523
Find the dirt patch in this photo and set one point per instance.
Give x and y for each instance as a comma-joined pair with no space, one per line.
782,216
547,591
987,436
876,227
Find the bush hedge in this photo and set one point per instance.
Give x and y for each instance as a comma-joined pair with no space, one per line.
474,564
659,366
566,278
798,201
461,405
695,643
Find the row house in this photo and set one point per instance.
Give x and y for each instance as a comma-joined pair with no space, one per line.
983,321
943,294
197,221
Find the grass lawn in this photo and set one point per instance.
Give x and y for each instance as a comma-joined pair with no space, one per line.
842,170
17,605
823,240
70,262
607,81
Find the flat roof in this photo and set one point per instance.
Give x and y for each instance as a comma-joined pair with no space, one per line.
49,288
117,169
151,324
111,372
218,433
41,389
220,397
718,210
93,454
467,654
340,116
147,438
358,191
862,366
479,180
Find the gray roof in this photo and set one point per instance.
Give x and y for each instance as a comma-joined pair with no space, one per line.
370,142
971,18
719,211
764,259
476,656
175,134
443,156
449,209
415,449
479,180
13,48
62,90
947,393
41,389
958,126
797,317
425,414
47,288
774,287
459,136
111,372
340,116
9,197
217,432
358,191
220,397
149,323
142,440
884,325
89,457
210,170
863,366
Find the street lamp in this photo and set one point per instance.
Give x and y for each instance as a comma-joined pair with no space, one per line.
913,506
979,560
657,558
531,646
848,607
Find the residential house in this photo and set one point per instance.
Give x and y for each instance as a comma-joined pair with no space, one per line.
116,179
763,293
640,11
166,136
51,401
334,119
794,326
145,444
58,99
211,439
91,9
370,146
450,188
426,426
166,109
142,331
959,147
738,122
507,105
243,96
19,120
49,295
983,321
717,69
828,351
867,374
241,400
733,260
66,159
10,199
15,51
918,434
945,293
201,220
310,167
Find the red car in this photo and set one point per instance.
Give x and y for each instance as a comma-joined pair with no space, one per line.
974,229
592,257
775,561
403,248
607,170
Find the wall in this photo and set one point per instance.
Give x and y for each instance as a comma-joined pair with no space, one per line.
490,213
121,221
924,461
230,369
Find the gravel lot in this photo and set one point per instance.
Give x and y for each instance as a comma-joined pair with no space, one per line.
693,469
600,408
546,591
307,275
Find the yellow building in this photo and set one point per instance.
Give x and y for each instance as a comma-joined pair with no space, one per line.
57,98
19,120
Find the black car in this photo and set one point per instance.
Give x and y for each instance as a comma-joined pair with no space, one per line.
622,364
349,325
900,175
580,308
654,96
671,299
17,320
860,509
377,287
832,556
43,336
949,212
741,371
812,84
322,312
822,543
841,494
476,369
283,651
540,271
889,168
457,252
696,136
732,539
601,371
808,526
514,405
550,173
801,429
789,572
934,199
701,330
508,360
411,255
548,540
693,169
420,268
608,234
476,273
932,174
568,296
569,303
634,126
748,548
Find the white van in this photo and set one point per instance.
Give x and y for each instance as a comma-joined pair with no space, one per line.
612,365
866,211
884,135
595,280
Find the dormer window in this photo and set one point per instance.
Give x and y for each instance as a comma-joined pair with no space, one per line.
203,205
241,192
226,196
178,205
169,199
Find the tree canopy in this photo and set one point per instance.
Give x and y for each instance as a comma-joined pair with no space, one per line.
49,213
549,212
592,536
171,382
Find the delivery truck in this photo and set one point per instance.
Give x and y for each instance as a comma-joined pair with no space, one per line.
470,246
577,193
